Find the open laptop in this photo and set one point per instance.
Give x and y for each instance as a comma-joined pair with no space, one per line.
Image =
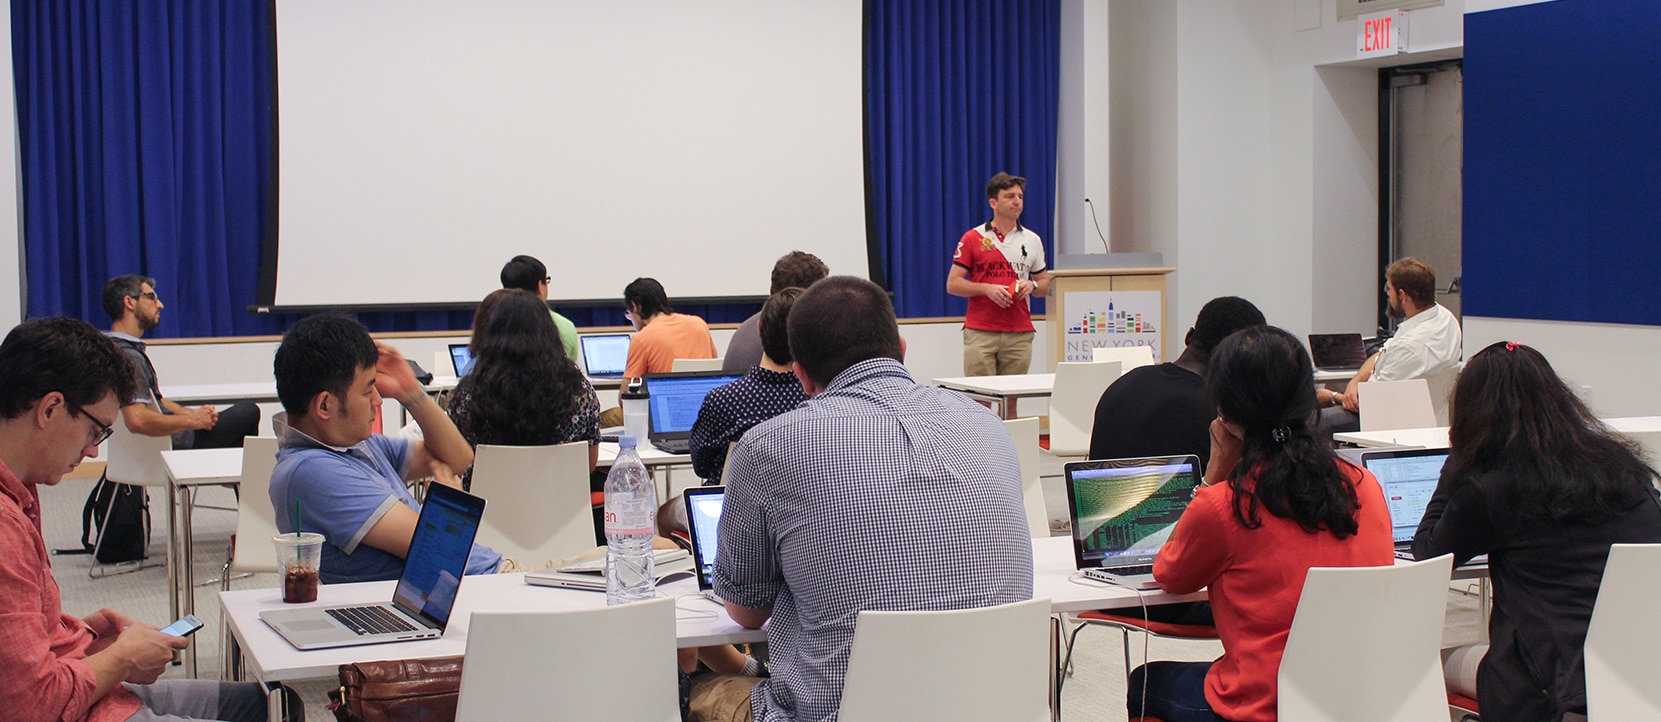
673,403
703,522
425,594
1408,477
461,358
605,355
1337,351
1123,510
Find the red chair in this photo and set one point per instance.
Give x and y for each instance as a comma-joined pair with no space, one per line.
1465,706
1125,624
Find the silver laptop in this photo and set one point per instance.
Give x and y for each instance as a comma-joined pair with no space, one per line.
1408,478
605,355
426,592
1337,351
1123,510
703,522
589,575
673,403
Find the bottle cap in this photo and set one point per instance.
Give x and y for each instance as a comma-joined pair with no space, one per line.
625,442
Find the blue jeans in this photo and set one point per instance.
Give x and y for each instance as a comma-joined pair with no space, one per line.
1175,692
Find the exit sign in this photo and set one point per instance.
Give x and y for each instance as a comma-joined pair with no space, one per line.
1380,34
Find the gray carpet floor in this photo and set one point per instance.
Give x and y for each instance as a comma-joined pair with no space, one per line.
1094,691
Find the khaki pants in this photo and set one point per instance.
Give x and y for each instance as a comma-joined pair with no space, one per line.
722,697
989,353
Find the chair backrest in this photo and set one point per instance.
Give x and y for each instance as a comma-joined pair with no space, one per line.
1623,643
537,502
443,365
1078,387
1024,432
1649,442
1387,405
726,464
256,521
986,664
1365,645
698,364
1129,357
1441,392
603,663
135,458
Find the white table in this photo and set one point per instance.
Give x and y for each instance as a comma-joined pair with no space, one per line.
1003,392
698,622
187,469
1437,436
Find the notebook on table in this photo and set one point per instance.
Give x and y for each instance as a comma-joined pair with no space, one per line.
426,592
703,522
605,355
461,359
1337,351
673,402
1123,510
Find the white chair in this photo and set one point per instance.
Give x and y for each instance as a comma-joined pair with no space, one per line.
964,665
538,505
1129,357
1440,387
1078,387
1388,668
1649,442
256,523
1623,642
132,459
601,663
698,364
1024,432
442,363
1388,405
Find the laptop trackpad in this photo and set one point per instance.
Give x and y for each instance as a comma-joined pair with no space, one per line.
311,625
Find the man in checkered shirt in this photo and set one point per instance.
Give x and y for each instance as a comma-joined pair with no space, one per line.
877,493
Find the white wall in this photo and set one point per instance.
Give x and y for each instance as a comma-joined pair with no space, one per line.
11,251
1609,364
1082,133
1244,149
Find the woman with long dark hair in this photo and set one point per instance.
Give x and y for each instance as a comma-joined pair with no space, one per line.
1275,501
523,389
1542,487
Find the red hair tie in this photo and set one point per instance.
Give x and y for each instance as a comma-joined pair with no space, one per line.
1511,346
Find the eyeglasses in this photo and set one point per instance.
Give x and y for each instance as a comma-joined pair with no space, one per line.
547,279
104,431
144,294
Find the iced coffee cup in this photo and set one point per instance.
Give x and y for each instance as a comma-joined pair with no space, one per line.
297,559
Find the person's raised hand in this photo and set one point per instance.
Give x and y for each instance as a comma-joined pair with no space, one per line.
393,377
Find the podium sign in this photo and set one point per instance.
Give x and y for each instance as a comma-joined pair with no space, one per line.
1111,318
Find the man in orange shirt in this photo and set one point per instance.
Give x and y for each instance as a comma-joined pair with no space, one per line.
661,337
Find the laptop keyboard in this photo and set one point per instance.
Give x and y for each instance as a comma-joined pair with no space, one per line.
1130,571
370,620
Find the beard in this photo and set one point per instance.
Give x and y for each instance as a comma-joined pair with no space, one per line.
149,322
1395,311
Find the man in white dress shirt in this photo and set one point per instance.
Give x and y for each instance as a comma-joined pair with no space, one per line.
1427,344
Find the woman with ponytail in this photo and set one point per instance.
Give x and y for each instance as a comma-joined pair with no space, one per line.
1275,501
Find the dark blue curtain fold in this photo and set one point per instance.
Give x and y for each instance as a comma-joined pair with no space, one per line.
146,133
957,91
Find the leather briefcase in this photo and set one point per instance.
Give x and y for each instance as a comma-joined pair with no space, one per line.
398,690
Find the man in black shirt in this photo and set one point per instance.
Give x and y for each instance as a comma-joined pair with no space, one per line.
1163,410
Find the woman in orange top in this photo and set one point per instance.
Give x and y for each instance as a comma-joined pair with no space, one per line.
1275,501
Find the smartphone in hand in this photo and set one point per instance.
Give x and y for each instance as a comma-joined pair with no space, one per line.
184,627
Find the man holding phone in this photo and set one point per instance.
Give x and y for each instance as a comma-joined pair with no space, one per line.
62,386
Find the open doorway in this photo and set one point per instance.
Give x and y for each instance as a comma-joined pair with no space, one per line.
1421,159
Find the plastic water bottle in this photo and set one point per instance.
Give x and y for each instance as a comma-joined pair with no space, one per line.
631,515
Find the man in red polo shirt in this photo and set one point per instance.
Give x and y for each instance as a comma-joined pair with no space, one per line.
998,266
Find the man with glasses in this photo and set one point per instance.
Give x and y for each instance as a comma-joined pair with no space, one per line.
528,274
62,385
1427,344
134,308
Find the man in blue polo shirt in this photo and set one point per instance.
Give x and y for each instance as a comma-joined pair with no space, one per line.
347,482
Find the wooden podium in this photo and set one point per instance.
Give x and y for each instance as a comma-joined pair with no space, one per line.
1090,307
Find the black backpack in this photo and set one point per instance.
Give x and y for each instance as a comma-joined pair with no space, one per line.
115,522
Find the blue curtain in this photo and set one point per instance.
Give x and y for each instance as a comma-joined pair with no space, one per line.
957,91
145,132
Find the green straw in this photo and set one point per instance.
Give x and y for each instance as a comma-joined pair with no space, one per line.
297,518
